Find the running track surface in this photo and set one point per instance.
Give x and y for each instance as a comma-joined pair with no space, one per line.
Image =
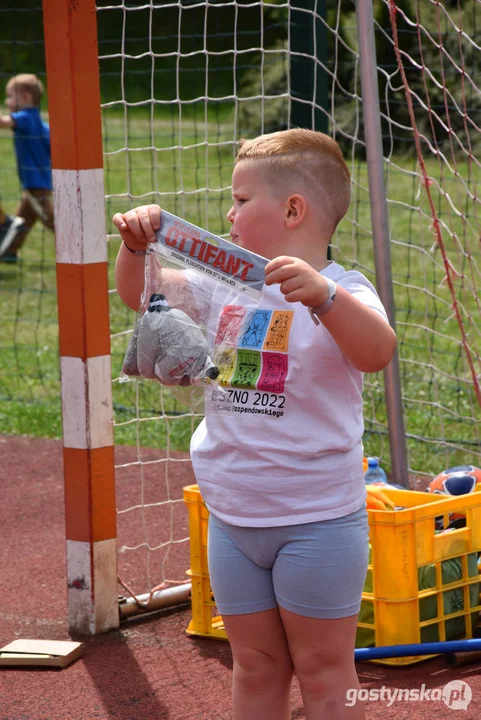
149,669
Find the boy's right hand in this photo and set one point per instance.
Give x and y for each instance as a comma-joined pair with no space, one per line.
137,227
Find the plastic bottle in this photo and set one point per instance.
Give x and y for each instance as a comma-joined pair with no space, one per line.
374,472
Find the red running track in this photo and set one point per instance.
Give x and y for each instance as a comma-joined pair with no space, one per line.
149,669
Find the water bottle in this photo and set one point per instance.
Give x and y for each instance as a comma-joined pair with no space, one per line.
374,472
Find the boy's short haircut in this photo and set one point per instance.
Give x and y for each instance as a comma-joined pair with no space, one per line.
307,162
27,82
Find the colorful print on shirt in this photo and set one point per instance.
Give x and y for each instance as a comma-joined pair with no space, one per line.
252,348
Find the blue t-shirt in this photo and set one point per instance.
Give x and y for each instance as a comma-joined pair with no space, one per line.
31,136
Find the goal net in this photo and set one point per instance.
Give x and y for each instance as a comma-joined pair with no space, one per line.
183,81
29,374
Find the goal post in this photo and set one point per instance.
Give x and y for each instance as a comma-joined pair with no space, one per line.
380,231
182,81
70,31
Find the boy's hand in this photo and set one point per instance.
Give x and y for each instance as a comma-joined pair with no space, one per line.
137,227
299,281
6,121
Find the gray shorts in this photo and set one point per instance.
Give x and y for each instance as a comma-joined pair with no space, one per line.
315,569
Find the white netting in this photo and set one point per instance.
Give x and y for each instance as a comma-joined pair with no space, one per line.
181,83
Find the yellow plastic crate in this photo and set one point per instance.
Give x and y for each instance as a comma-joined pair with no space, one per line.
205,621
404,545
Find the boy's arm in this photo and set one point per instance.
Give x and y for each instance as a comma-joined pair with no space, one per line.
137,229
6,121
360,332
129,277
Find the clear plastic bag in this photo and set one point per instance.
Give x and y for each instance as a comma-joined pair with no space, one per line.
198,291
167,345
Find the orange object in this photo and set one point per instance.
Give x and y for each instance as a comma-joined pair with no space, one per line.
376,499
375,503
364,464
455,480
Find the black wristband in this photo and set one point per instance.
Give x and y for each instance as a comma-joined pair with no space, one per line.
134,252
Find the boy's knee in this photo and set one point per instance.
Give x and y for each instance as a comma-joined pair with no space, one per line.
261,668
318,676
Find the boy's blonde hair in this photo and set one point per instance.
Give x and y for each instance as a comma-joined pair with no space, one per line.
307,162
30,83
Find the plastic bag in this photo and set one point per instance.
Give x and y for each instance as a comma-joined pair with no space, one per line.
167,345
198,290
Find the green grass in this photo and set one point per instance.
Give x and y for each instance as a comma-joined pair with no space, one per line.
442,416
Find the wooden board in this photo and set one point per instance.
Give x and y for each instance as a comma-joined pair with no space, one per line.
46,653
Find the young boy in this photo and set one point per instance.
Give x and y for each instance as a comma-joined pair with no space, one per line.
31,136
288,530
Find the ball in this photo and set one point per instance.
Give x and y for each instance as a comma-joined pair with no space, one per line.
459,480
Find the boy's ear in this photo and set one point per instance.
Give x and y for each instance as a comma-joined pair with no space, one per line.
296,208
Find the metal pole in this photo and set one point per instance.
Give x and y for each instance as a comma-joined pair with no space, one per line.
161,599
431,648
380,230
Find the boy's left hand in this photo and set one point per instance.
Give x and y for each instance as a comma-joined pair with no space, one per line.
299,281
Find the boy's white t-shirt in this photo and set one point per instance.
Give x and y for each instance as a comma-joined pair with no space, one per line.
291,452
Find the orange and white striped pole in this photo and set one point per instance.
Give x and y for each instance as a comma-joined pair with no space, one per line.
70,30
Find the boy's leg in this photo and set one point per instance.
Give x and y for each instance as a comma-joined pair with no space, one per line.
10,228
36,204
244,596
41,201
262,673
25,211
323,656
318,577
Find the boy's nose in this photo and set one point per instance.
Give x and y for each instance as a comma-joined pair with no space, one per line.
230,215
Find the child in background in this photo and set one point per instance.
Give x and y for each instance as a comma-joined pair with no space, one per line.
288,530
31,136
